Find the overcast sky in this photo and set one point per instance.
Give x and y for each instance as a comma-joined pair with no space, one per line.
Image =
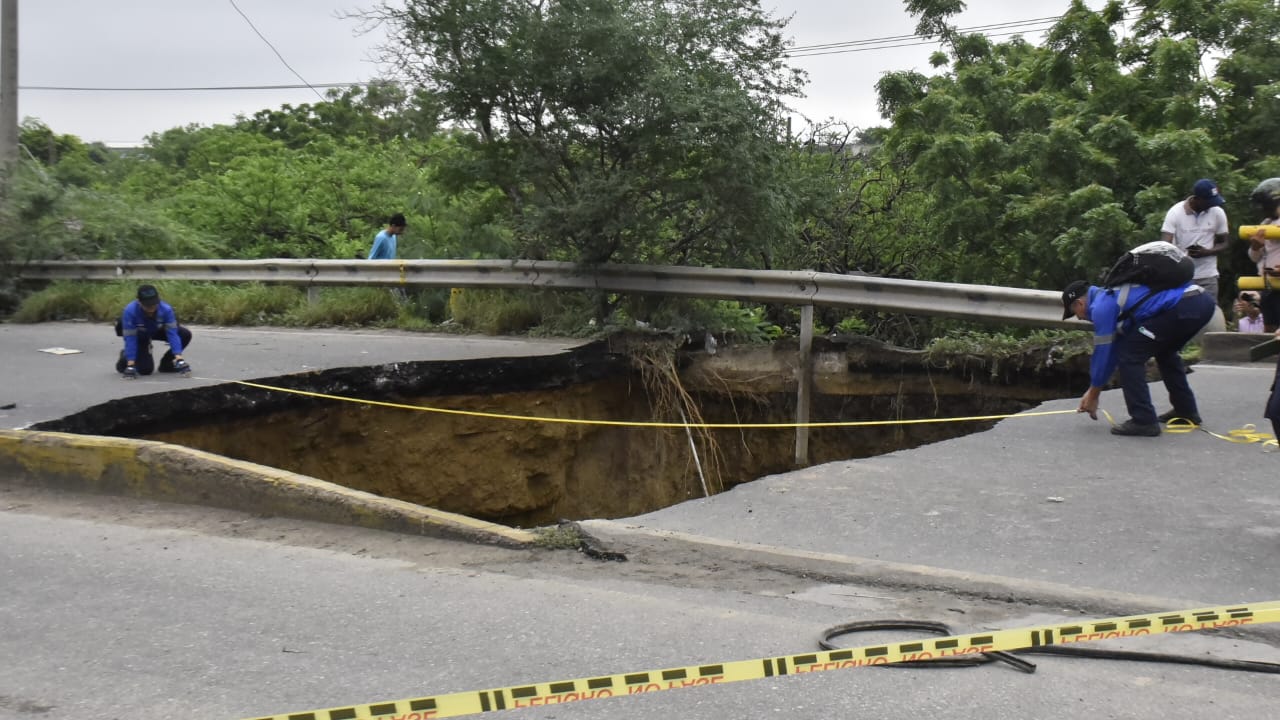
208,43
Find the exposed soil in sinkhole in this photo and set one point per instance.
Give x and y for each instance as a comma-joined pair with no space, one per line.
524,473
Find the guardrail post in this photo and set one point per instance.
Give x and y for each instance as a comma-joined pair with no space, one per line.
804,384
313,295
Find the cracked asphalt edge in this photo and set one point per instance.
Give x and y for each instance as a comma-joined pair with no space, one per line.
172,473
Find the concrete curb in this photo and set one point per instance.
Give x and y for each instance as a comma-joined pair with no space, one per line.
171,473
845,568
1230,347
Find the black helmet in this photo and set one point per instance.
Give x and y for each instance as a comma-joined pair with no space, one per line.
1267,194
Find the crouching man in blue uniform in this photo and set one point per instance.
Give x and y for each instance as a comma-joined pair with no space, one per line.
143,321
1157,324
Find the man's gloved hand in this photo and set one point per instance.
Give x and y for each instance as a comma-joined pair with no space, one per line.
130,373
182,367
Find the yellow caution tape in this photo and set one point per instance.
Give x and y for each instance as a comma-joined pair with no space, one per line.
1241,436
646,681
652,424
1247,434
1181,426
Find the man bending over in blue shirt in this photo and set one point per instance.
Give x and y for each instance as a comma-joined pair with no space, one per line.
1159,325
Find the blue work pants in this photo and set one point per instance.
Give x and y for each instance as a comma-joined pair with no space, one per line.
1161,337
145,362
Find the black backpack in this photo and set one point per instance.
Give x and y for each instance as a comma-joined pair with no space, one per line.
1158,265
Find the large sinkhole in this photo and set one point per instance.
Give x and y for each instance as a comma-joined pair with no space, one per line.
527,474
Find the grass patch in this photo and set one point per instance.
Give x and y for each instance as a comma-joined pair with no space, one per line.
1191,353
538,312
1033,350
495,312
560,537
244,304
351,306
202,303
210,304
75,301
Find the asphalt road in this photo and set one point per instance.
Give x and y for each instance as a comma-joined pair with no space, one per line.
1049,498
207,614
114,609
1189,517
46,386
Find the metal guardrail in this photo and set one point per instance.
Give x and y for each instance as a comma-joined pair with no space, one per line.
1003,305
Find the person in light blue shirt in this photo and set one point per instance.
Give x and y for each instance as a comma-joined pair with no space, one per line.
384,245
1131,324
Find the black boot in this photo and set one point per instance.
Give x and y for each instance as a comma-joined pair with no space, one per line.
1175,415
1129,427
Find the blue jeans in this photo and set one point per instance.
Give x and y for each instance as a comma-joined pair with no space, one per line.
1165,334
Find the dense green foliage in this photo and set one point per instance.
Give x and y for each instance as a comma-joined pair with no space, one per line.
1042,164
248,304
651,132
618,130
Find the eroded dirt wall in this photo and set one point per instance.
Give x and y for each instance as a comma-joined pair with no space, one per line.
516,472
535,473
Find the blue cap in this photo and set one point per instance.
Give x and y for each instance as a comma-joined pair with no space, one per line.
1207,190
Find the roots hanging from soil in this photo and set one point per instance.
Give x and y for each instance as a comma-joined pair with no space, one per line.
656,362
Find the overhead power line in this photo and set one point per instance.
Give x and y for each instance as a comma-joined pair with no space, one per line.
311,86
889,47
887,42
899,38
1002,29
273,48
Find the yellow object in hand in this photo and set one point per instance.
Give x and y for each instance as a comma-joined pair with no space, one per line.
1248,231
1257,282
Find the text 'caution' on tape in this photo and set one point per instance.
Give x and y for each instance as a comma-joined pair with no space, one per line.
645,681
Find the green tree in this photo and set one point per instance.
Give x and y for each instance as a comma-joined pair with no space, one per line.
379,112
71,160
323,199
617,130
1040,164
855,205
44,218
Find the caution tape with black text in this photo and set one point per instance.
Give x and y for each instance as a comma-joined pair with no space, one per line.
645,681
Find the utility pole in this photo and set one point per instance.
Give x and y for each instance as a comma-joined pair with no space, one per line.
8,90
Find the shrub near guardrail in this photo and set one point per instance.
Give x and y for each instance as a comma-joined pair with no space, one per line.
195,302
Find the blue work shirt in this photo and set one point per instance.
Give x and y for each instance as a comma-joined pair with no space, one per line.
1104,312
384,247
135,322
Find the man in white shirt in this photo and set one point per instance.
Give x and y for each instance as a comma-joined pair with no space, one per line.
1198,225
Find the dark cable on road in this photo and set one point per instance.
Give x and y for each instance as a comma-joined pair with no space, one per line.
1010,658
